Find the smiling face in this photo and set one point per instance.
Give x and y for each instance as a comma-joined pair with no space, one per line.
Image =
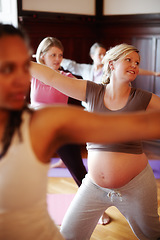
127,67
14,72
53,58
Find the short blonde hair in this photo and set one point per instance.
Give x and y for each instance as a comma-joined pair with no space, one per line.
45,45
113,54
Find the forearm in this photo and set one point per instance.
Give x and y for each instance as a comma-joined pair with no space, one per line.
146,72
137,126
115,128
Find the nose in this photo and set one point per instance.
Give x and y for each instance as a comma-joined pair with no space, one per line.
134,64
20,78
57,59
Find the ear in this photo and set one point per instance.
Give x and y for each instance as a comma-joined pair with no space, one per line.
92,57
42,56
111,65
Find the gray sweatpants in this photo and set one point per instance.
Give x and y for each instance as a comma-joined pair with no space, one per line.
137,201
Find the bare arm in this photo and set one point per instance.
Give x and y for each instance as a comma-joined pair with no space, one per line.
154,103
73,125
146,72
75,88
120,128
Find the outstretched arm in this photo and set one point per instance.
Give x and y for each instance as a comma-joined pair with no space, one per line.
75,88
81,69
146,72
103,128
60,125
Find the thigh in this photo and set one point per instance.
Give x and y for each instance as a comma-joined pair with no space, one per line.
140,206
84,212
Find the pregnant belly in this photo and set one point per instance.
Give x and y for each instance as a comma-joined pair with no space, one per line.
114,170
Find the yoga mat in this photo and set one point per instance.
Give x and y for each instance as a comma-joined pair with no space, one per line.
57,206
63,172
155,165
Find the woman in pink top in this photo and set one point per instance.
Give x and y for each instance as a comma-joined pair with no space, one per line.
50,53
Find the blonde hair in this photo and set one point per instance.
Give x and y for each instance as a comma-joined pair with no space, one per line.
113,54
45,45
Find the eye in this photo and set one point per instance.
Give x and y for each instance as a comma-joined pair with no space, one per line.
137,63
128,59
7,68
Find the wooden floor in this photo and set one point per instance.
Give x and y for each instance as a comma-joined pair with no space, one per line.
118,229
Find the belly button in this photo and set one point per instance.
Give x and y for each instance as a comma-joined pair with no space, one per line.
102,176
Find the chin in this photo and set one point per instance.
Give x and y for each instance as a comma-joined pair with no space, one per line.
17,107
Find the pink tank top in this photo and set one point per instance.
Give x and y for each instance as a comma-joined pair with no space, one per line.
42,94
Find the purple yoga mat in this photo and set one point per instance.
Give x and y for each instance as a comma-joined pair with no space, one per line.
63,172
155,165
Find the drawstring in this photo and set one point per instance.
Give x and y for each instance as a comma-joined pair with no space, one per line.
113,194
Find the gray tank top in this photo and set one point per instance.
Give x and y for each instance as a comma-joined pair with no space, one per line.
138,100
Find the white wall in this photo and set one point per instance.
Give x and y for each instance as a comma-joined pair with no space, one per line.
122,7
86,7
8,12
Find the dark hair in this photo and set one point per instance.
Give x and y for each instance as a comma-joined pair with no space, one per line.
10,30
15,118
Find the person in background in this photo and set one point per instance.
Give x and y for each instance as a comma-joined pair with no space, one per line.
118,174
50,53
94,72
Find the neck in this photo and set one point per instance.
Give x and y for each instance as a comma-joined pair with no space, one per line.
118,90
4,114
98,67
